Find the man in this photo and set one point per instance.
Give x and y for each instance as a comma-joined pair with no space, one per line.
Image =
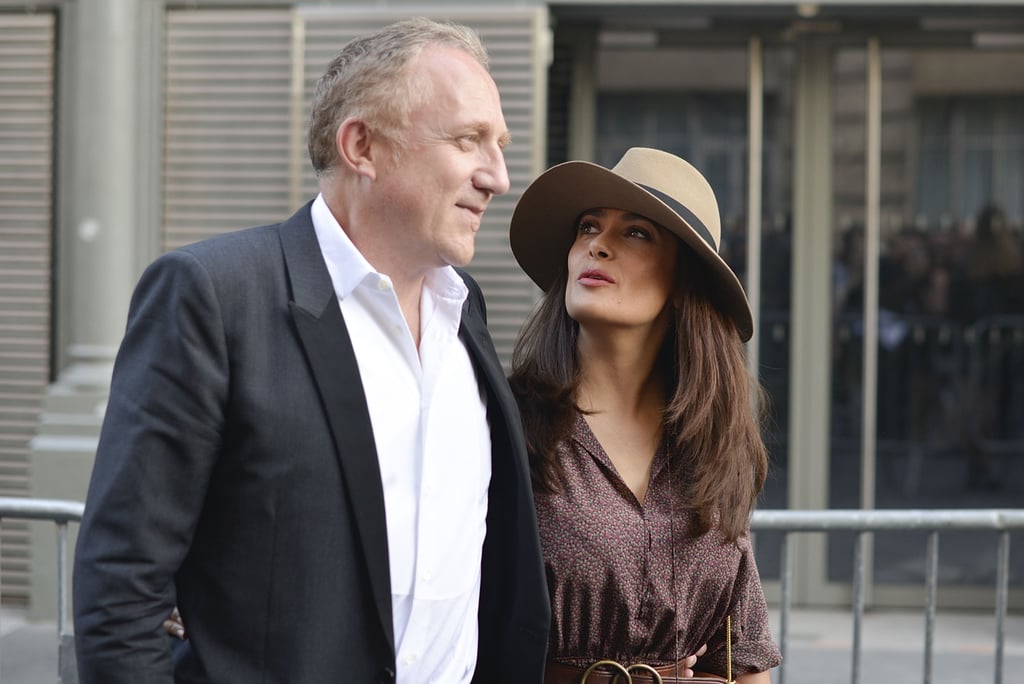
309,444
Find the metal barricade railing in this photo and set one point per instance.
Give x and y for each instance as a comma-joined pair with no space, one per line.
60,513
788,522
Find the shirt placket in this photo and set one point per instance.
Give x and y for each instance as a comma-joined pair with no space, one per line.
434,341
410,649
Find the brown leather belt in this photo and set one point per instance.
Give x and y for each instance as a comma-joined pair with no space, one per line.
614,673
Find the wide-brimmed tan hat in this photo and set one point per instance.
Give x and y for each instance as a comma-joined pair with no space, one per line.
654,184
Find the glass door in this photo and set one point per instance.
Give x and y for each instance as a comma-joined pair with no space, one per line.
945,375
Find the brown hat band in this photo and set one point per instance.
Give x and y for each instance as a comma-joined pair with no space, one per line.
687,215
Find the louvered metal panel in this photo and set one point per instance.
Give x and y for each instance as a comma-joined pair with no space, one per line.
516,39
27,47
226,121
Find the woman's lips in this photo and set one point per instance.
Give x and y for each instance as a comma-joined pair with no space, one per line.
594,277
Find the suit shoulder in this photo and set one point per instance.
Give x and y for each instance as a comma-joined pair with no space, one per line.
230,243
250,256
250,246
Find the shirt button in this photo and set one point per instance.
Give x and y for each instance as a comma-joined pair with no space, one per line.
427,576
383,285
410,659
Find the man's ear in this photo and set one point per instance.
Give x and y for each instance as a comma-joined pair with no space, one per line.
356,148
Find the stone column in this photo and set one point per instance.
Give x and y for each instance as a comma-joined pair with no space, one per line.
811,330
107,224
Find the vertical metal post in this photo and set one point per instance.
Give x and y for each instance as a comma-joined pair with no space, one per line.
858,603
872,250
784,601
583,95
62,578
1,586
931,590
755,144
1002,593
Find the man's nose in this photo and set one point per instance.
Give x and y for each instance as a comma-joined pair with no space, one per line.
493,174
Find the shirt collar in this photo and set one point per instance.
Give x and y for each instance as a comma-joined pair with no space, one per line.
348,268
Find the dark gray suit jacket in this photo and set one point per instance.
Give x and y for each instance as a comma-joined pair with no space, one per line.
237,476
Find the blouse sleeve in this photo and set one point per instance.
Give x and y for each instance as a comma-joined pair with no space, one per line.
753,649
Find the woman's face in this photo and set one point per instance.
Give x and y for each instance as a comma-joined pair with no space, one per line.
622,270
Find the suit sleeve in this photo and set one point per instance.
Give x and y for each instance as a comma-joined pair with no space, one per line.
158,445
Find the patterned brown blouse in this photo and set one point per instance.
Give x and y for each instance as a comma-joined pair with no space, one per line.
625,578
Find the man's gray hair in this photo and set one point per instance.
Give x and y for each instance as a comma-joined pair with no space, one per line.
370,79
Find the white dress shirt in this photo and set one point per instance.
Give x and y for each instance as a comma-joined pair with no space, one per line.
429,420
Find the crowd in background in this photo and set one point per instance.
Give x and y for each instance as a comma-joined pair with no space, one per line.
951,338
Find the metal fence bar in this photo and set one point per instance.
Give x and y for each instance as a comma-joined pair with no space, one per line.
996,519
858,603
40,509
62,573
931,596
67,672
786,600
1002,597
60,513
864,521
1,586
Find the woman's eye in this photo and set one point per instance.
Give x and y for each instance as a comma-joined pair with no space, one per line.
639,232
586,227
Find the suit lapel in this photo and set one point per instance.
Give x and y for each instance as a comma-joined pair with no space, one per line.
474,334
328,348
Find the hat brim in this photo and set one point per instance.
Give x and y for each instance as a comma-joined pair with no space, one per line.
543,228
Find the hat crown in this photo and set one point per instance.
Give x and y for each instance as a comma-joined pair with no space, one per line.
678,181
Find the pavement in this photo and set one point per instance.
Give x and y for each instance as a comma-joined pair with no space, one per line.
892,643
28,649
819,649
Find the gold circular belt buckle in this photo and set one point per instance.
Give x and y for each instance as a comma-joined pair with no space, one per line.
642,667
612,664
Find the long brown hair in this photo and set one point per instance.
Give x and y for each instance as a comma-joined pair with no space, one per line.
718,449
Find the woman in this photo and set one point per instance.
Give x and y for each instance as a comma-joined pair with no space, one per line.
646,456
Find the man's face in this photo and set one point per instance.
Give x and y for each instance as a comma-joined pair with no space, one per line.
437,187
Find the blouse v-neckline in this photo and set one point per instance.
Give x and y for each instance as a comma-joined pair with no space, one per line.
597,451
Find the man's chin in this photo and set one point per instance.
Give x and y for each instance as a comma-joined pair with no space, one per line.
460,258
